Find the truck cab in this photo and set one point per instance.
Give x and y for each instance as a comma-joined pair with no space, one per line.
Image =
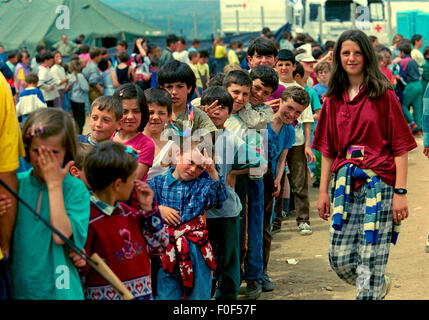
326,19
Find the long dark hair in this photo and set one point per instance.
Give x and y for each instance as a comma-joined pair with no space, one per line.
375,81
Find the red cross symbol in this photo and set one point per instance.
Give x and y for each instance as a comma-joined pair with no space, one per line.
378,28
244,5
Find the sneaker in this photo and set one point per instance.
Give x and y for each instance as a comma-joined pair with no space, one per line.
427,245
304,229
285,214
253,290
267,283
418,132
386,286
276,229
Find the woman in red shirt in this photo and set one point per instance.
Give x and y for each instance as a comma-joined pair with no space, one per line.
364,140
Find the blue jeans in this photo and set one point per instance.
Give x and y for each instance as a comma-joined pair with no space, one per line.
413,94
66,102
253,262
169,286
6,292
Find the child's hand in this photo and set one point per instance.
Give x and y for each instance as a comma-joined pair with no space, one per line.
274,104
5,204
426,151
211,109
171,216
277,188
77,260
50,168
209,165
230,180
309,155
144,195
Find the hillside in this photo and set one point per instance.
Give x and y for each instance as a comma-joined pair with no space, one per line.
156,12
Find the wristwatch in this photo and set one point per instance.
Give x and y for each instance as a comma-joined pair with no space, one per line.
400,191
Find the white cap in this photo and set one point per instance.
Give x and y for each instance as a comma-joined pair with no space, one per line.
304,57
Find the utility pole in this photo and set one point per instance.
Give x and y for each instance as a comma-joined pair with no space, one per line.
353,15
389,20
237,21
320,24
215,25
195,25
262,17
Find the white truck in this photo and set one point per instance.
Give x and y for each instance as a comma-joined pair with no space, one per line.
322,19
327,19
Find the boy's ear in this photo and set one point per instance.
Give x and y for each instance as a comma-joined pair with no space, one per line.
249,60
120,122
176,155
117,184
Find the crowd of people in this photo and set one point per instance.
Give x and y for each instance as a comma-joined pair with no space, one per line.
177,166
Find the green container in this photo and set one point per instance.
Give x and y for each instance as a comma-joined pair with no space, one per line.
422,27
406,22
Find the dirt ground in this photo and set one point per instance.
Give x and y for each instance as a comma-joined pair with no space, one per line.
312,277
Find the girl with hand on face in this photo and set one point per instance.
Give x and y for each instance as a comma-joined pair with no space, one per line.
364,140
41,268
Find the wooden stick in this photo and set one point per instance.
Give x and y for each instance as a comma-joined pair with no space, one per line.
104,269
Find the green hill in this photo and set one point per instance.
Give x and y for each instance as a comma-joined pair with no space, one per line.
157,12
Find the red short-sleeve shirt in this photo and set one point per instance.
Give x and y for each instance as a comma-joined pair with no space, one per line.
378,125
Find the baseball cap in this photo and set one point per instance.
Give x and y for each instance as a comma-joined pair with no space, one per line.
305,57
285,55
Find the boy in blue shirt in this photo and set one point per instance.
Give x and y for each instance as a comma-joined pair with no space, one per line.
104,119
281,137
30,99
323,72
233,155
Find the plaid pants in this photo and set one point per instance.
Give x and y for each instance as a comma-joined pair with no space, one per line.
355,261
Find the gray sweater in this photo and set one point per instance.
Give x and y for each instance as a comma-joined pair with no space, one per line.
79,87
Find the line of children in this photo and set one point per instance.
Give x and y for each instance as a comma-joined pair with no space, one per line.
239,84
223,224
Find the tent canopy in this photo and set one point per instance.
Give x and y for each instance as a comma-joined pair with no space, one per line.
26,23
